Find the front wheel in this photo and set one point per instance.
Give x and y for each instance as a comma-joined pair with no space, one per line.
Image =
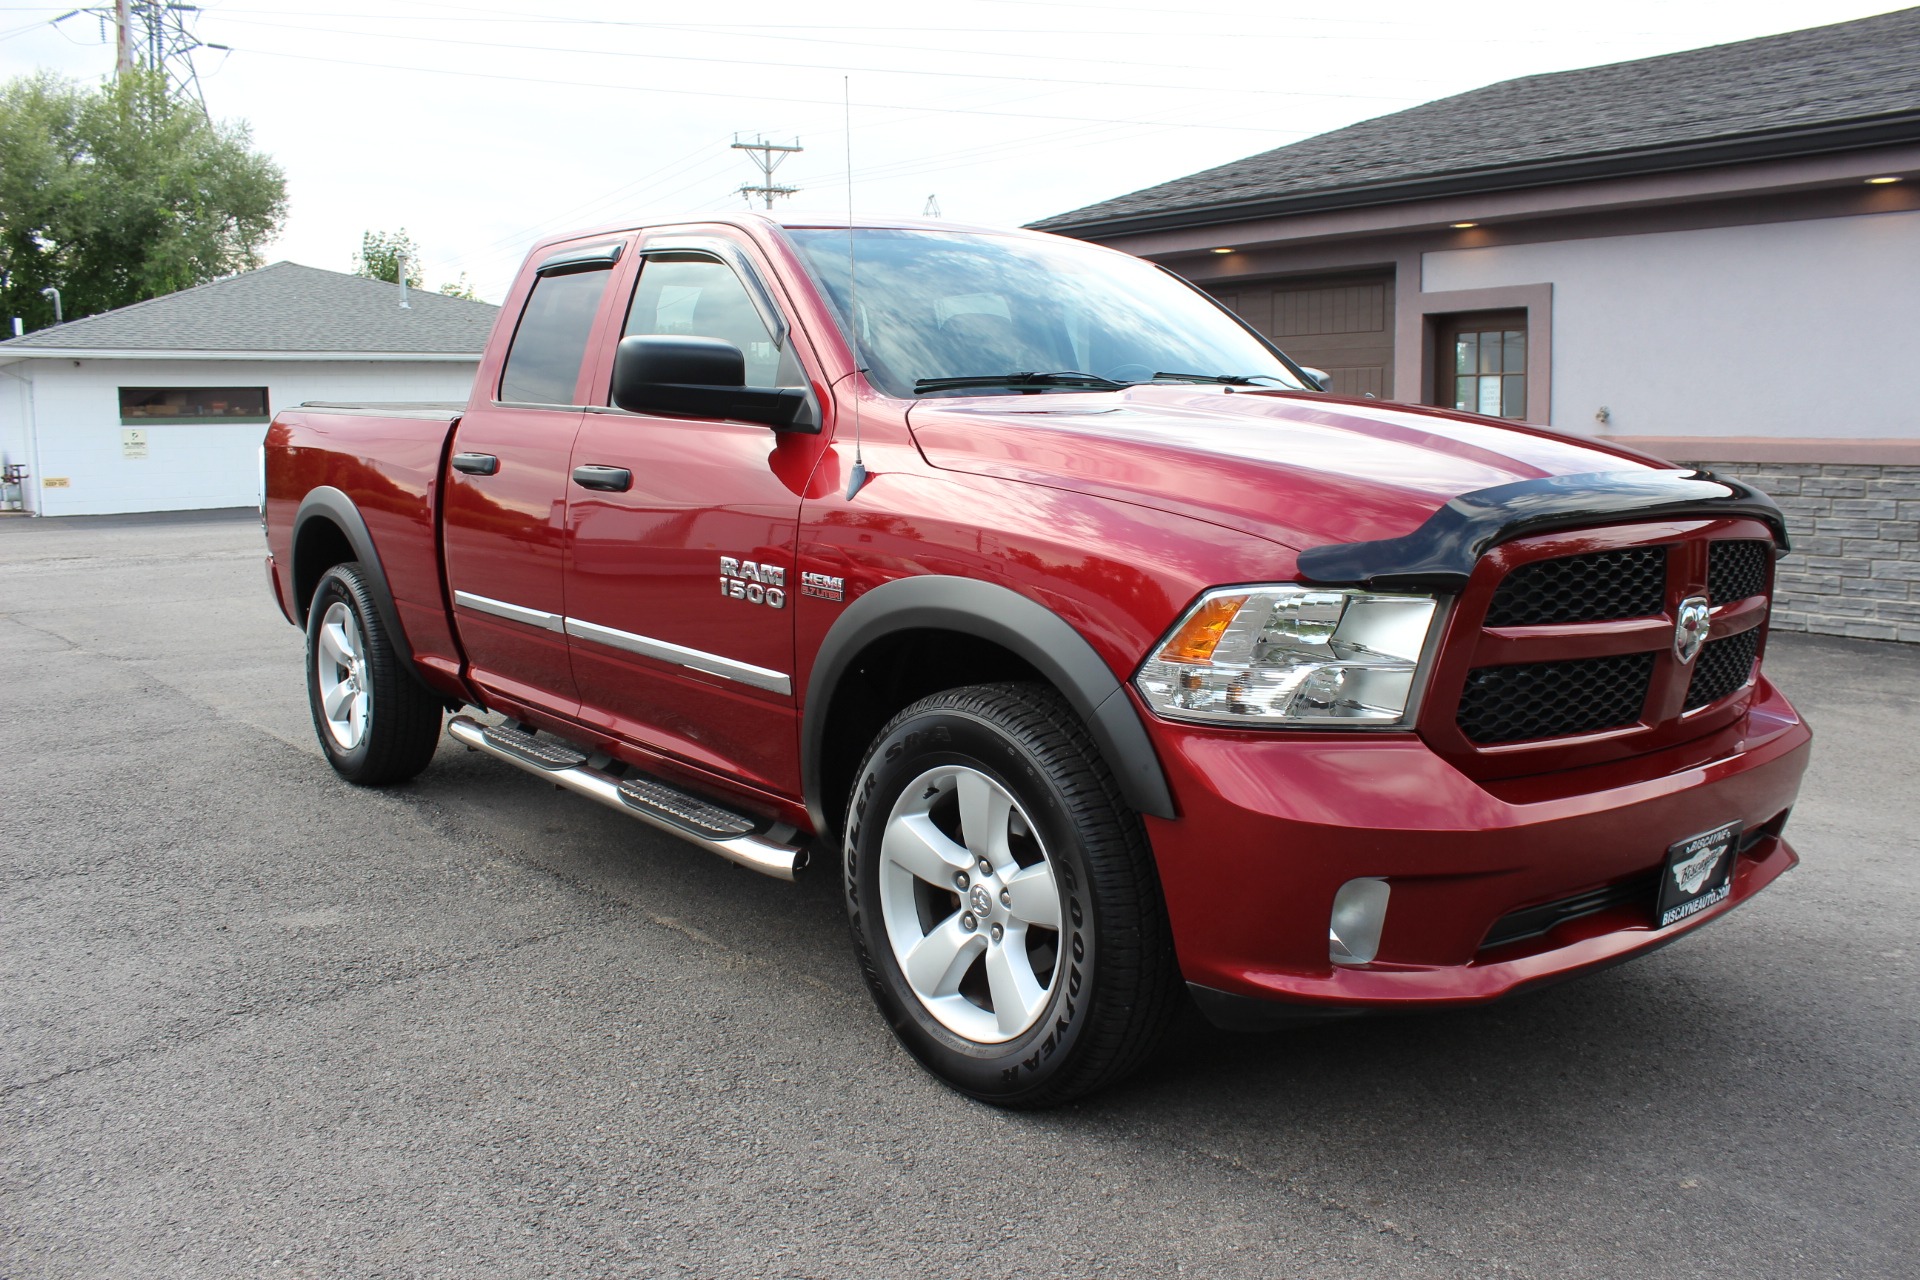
1003,899
376,723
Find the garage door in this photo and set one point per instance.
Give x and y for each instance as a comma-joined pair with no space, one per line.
1343,326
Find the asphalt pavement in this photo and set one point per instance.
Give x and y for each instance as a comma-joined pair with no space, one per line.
256,1022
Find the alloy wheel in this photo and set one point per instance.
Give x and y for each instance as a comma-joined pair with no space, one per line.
970,904
340,665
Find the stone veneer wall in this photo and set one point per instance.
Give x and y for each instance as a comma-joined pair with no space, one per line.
1855,565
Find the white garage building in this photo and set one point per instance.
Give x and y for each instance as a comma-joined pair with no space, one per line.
160,406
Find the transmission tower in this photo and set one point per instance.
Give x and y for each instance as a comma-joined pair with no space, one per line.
770,156
157,35
932,209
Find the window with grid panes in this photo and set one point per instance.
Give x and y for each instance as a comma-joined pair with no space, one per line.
1484,359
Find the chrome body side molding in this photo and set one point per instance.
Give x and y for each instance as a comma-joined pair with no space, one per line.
679,655
696,659
511,612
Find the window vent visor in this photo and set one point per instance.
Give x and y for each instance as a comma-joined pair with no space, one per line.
594,257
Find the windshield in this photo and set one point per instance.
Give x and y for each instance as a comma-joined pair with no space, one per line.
939,305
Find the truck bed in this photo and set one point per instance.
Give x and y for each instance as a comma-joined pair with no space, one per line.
390,458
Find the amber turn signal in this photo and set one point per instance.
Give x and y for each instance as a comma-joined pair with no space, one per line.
1200,632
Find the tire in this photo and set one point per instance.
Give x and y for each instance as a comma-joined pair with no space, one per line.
376,723
1049,974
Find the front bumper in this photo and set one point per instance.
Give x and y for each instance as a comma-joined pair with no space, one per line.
1274,823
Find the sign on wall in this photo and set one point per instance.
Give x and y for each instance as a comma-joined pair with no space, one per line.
133,442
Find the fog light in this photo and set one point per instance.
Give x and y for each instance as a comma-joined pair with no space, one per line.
1359,913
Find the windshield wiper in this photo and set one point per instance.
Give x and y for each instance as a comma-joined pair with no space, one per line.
1093,381
1230,379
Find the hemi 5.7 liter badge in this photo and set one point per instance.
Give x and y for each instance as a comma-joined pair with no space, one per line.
753,582
823,586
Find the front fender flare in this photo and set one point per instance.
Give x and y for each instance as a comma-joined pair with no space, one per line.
1039,636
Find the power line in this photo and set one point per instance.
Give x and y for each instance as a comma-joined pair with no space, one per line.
730,95
520,15
917,73
700,155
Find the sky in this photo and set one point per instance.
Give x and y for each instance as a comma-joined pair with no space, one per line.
479,127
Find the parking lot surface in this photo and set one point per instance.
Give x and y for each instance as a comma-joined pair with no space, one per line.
256,1022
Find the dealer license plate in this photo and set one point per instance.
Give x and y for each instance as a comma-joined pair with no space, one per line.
1698,874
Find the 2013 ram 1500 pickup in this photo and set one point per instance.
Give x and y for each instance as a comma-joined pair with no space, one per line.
1115,662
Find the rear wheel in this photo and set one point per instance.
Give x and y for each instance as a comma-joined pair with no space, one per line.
375,722
1003,899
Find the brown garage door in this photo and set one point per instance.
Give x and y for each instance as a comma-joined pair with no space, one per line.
1342,325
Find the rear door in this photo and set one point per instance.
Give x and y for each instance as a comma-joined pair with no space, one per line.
505,522
681,576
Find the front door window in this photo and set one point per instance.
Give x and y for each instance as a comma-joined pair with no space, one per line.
697,296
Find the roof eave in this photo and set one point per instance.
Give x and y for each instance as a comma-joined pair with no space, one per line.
1834,136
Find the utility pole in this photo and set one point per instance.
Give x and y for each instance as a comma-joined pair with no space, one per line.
770,156
123,39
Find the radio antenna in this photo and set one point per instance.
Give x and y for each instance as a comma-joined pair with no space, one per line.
858,476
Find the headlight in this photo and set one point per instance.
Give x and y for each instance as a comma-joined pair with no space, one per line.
1287,655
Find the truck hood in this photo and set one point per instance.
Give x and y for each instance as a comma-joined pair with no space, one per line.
1301,469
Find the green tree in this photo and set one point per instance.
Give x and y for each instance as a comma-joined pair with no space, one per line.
461,288
380,256
121,193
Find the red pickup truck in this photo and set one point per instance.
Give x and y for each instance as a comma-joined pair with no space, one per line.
1110,660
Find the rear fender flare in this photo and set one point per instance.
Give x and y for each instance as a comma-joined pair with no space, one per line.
1004,617
334,506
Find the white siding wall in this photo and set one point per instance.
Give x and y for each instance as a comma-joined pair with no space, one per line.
188,466
1784,329
15,405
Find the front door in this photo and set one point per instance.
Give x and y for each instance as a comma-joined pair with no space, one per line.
506,498
681,579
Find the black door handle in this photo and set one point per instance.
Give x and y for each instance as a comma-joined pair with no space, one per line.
476,464
606,479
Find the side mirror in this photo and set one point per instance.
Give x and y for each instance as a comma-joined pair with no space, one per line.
1322,380
702,378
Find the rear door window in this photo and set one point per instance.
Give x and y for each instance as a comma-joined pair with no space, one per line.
543,365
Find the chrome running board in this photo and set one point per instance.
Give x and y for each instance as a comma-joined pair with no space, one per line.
775,849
